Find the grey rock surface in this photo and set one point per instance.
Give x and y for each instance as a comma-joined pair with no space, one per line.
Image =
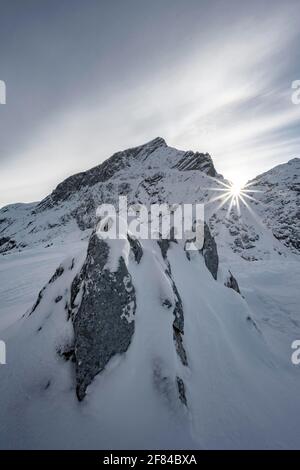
210,252
104,321
232,283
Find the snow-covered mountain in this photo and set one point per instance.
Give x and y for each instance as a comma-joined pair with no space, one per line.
278,202
151,173
140,343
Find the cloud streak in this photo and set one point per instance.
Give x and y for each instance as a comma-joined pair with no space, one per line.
228,94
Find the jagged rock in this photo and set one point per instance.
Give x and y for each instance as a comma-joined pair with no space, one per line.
136,248
7,244
210,252
181,390
232,283
67,353
164,245
197,161
177,335
178,324
169,388
4,240
58,273
104,320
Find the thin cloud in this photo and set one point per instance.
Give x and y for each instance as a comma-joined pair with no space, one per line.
226,96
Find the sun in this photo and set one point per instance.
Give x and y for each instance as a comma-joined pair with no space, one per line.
236,189
235,194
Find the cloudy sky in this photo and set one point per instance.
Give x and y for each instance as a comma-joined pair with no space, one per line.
87,78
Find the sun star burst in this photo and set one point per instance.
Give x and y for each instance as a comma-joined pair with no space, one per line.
234,194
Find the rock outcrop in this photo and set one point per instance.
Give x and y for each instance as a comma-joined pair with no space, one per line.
103,309
210,252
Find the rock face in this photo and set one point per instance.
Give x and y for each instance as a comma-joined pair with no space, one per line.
232,283
197,161
7,244
278,202
103,306
210,252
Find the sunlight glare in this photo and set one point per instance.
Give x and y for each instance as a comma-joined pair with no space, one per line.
235,190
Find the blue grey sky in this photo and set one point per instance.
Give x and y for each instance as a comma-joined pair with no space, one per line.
87,78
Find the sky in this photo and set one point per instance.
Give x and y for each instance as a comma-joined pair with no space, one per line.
85,79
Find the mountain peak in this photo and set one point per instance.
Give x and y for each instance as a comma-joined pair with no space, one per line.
157,142
156,152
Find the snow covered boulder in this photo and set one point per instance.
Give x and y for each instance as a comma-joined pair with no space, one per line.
103,297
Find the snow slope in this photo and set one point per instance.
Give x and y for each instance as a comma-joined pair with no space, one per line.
241,390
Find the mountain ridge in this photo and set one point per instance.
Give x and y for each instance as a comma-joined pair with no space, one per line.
150,173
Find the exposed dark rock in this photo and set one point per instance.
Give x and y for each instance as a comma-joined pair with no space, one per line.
166,387
57,274
47,385
178,324
197,161
178,310
136,248
38,301
167,303
59,271
232,283
67,353
210,252
177,335
181,390
4,240
7,244
164,244
104,322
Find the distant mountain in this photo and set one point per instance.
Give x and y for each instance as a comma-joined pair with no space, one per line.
279,202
